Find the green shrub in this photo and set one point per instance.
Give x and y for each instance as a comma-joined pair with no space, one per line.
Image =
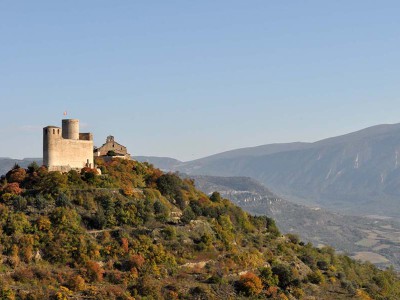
316,277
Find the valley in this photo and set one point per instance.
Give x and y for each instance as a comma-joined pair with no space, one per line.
369,238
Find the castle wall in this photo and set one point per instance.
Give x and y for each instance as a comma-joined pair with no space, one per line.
86,136
74,154
61,154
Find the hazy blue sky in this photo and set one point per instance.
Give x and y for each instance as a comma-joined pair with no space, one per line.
190,78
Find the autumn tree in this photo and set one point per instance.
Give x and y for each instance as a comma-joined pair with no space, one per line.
94,271
12,188
16,175
250,284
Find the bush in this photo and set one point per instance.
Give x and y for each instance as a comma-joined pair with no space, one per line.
214,279
23,275
215,197
199,292
169,185
136,261
6,293
250,284
272,228
348,285
322,265
74,178
41,202
17,175
293,238
19,203
298,293
316,277
63,200
308,260
77,283
94,271
161,210
285,275
169,233
268,278
188,215
33,167
12,188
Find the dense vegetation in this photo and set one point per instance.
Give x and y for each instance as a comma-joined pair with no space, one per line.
136,233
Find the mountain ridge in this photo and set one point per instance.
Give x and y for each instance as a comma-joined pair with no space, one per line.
356,172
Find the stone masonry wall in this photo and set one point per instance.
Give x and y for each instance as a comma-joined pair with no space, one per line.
74,154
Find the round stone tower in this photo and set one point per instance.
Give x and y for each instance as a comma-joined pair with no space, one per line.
50,136
70,129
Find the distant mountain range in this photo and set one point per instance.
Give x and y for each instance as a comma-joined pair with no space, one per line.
7,163
356,173
163,163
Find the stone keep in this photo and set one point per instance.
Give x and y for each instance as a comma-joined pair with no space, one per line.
66,149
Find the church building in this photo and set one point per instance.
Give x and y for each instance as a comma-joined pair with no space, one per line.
112,148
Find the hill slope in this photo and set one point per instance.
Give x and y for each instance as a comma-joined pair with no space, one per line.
369,238
135,232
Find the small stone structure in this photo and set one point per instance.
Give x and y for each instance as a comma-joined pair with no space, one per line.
65,148
111,146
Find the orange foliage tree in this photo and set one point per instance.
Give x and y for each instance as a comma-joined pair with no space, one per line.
13,188
250,284
94,271
16,175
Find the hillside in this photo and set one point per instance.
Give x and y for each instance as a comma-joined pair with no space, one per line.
368,238
357,173
137,233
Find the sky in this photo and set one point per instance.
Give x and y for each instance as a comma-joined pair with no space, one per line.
187,79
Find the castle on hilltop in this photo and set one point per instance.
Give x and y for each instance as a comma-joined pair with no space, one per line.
66,149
